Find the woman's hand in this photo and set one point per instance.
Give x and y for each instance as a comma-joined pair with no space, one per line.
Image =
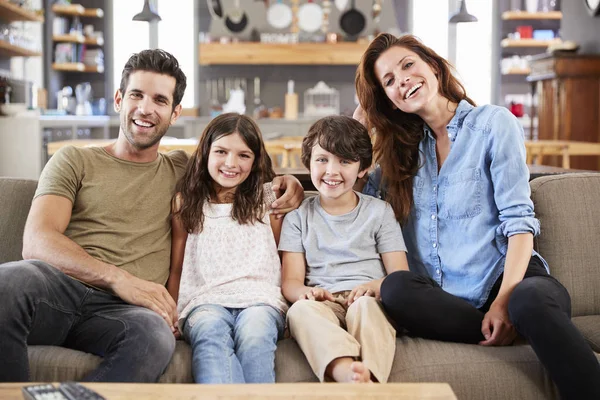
292,196
496,326
360,116
317,294
371,289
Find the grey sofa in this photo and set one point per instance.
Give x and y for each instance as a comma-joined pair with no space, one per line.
565,205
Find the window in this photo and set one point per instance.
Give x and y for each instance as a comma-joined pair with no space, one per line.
474,68
129,36
175,35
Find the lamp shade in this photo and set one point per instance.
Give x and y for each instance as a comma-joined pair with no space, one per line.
148,14
462,15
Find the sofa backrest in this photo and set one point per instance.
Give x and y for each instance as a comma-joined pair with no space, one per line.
15,201
570,230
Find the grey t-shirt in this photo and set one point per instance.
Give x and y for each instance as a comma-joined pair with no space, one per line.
342,251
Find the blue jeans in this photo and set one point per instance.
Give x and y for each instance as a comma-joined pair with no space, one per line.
233,345
39,305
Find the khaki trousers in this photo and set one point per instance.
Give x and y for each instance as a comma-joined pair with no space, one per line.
319,327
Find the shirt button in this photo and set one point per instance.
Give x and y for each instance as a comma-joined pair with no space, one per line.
434,188
437,271
433,217
449,135
434,245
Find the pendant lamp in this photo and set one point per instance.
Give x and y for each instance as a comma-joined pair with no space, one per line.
462,15
148,14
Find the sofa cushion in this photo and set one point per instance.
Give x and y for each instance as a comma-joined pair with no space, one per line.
473,372
566,207
15,198
589,326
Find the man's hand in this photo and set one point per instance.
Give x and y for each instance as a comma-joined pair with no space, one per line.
292,196
371,289
496,327
146,294
317,294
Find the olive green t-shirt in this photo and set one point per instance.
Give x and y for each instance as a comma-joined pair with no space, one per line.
121,209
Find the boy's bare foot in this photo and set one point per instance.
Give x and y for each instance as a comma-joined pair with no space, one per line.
360,373
345,369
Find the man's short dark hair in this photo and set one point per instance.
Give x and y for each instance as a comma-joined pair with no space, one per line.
342,136
158,61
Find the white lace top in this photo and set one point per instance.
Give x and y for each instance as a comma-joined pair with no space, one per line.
230,264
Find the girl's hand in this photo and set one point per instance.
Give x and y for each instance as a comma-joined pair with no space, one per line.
496,327
371,289
317,294
292,196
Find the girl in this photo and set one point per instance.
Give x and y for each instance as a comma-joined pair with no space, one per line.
224,253
456,177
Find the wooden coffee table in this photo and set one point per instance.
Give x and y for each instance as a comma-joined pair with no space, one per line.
297,391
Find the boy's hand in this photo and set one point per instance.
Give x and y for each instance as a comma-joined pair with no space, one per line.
317,294
371,289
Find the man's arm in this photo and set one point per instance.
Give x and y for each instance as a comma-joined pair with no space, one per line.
44,240
293,194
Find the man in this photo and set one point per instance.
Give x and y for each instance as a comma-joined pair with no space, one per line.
97,241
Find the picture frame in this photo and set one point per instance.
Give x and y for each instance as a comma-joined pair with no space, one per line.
593,7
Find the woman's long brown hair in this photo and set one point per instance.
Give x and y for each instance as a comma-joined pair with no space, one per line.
196,185
397,134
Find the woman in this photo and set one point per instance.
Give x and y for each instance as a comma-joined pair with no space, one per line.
456,177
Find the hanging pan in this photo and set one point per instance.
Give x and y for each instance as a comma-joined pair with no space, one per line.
310,17
279,15
352,21
214,8
236,20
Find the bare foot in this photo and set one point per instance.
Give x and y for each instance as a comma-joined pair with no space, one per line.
345,369
360,373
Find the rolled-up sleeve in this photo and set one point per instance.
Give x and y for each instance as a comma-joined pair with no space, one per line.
510,176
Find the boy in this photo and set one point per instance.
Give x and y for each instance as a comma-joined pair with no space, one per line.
337,248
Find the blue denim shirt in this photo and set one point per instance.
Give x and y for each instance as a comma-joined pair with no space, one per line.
458,229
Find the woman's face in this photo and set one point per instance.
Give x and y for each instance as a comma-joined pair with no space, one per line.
408,81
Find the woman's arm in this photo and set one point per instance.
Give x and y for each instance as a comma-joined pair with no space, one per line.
496,326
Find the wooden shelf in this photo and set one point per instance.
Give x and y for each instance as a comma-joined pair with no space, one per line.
528,42
78,39
10,50
78,67
521,15
517,71
281,54
11,13
77,10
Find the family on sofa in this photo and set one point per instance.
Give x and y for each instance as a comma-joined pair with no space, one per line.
98,247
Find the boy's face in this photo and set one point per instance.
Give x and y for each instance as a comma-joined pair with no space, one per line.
332,176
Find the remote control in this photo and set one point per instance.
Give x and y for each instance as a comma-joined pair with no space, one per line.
76,391
42,392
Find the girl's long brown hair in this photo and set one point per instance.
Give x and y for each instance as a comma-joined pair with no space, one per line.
196,185
397,134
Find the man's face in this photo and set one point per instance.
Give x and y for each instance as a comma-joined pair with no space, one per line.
146,108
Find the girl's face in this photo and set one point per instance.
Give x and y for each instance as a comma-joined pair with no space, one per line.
409,82
229,163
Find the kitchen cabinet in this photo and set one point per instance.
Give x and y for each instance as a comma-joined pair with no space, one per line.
568,89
